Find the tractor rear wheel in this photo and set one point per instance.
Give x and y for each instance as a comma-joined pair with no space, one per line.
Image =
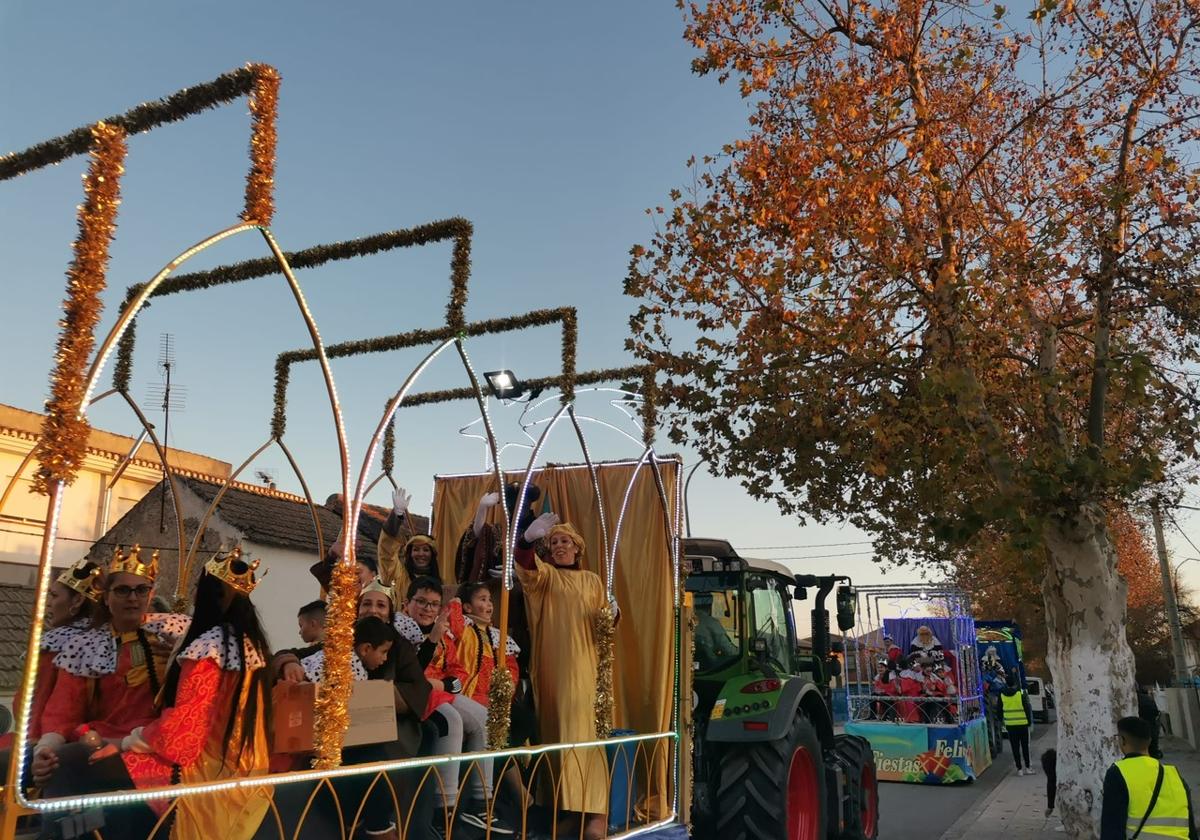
862,787
773,790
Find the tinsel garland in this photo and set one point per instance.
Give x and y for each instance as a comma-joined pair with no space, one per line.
604,629
649,406
65,429
460,275
592,377
500,698
149,115
389,446
412,338
260,180
457,229
570,341
332,717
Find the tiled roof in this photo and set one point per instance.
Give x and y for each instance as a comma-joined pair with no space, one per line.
370,523
16,607
279,519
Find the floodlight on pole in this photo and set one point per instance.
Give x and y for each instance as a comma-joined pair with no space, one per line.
504,384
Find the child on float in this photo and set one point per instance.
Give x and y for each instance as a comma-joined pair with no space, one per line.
461,722
477,643
884,686
212,726
910,684
374,639
562,600
411,695
106,677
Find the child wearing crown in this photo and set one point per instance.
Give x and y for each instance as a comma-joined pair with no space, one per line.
106,677
212,725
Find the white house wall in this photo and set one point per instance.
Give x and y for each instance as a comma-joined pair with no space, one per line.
286,587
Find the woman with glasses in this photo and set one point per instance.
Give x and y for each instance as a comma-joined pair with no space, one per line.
212,725
107,677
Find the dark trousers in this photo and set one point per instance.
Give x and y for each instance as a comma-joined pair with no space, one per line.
76,776
1018,738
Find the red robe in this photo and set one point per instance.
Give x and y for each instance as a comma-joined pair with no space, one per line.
191,734
102,682
909,685
442,666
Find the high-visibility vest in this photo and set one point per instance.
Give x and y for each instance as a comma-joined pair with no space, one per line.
1170,815
1014,709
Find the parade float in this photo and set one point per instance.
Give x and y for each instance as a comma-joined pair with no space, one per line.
629,513
914,687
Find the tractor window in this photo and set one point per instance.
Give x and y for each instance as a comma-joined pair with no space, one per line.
716,602
770,620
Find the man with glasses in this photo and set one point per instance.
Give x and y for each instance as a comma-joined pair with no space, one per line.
107,677
461,722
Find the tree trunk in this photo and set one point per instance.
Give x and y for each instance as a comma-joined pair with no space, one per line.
1089,659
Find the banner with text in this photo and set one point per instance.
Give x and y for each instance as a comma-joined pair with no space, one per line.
930,755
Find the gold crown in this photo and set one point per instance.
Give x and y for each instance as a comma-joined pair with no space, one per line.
131,564
82,578
376,586
234,571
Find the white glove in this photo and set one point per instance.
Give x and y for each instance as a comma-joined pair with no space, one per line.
541,526
401,499
485,504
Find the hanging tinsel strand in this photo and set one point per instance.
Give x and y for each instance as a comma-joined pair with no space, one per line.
332,716
500,697
65,429
604,628
260,180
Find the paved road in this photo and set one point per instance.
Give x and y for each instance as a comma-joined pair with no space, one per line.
925,812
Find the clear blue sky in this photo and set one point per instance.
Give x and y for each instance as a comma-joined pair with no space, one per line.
551,126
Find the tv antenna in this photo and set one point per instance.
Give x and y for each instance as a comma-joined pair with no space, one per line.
169,397
266,476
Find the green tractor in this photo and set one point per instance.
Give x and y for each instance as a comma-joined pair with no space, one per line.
766,761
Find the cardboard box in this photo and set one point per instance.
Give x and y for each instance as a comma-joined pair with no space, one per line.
371,708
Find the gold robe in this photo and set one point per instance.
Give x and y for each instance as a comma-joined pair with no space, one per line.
561,605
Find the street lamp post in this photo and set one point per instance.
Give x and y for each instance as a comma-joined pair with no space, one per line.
1182,676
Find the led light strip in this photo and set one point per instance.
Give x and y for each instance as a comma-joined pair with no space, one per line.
393,406
595,477
181,791
510,555
625,504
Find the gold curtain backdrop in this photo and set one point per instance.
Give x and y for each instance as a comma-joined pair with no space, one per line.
644,669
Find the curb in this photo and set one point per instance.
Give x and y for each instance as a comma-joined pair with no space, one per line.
965,824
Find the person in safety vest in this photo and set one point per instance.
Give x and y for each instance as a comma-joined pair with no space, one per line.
1142,796
1014,704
